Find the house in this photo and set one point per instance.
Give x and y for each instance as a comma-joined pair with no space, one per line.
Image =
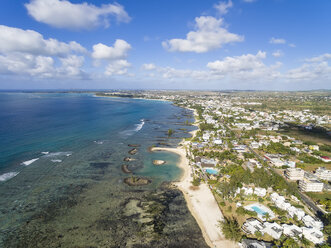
292,230
218,142
311,222
261,192
293,211
323,174
306,185
313,235
273,229
205,162
253,243
247,191
295,174
252,225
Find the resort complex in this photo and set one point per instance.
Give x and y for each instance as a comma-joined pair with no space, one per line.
269,181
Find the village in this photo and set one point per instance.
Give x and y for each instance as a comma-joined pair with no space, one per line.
271,187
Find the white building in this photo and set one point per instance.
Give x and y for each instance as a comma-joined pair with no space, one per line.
306,185
311,222
323,174
218,142
261,192
273,229
295,174
252,225
292,230
313,235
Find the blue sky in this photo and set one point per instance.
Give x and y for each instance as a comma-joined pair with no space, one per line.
165,44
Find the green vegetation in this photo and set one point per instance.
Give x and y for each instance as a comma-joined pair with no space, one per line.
260,177
231,229
309,159
321,198
243,211
196,181
277,148
170,132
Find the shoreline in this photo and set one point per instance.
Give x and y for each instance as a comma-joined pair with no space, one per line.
200,201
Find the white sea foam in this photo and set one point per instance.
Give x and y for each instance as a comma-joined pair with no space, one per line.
140,125
57,154
98,142
45,153
56,160
26,163
137,128
7,176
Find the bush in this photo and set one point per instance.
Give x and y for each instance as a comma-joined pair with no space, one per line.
196,181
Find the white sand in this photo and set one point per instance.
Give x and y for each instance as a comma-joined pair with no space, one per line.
201,203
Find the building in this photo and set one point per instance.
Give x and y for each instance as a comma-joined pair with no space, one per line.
323,174
313,235
311,222
292,230
273,229
253,243
306,185
295,174
252,225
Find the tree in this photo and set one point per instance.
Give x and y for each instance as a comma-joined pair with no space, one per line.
231,229
290,243
258,234
170,132
267,216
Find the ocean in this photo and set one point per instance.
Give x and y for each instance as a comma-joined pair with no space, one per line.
62,178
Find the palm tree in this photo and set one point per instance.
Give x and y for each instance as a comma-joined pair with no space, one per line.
170,132
267,216
230,229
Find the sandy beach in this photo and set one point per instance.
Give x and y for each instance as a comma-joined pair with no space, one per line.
200,202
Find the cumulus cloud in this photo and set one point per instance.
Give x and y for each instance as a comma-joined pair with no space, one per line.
26,52
117,67
29,41
320,58
118,51
277,41
209,34
64,14
277,53
223,7
148,67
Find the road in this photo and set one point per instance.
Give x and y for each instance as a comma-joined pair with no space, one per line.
310,203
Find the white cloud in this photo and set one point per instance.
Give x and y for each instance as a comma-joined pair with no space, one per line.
223,7
209,35
278,53
238,64
71,66
118,51
64,14
277,41
117,67
26,52
249,1
320,58
148,67
29,41
291,45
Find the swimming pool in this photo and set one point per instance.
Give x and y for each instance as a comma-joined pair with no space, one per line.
211,171
261,210
258,210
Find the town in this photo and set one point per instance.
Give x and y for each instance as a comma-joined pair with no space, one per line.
269,168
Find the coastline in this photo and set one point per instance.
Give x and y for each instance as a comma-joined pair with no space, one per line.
200,201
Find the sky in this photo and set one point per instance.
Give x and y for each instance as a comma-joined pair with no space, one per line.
165,44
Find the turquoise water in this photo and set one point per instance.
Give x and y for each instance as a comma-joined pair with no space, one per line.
212,171
258,210
61,182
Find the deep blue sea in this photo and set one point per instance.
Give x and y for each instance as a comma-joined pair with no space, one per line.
61,178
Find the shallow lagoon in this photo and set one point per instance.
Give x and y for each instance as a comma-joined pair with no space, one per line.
80,200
